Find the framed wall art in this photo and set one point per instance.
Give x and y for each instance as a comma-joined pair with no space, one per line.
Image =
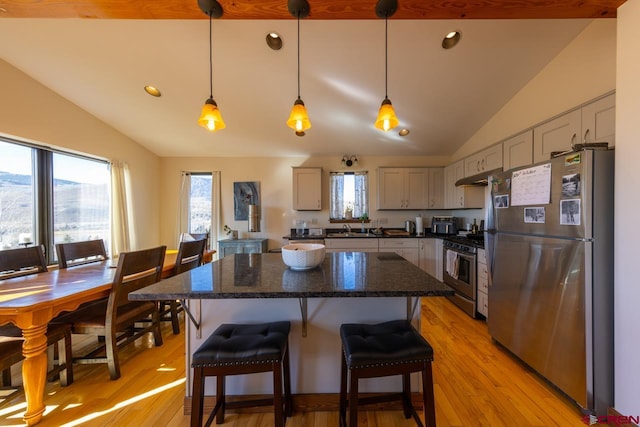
245,194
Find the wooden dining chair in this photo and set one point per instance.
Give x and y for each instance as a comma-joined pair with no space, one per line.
190,254
119,319
21,262
78,253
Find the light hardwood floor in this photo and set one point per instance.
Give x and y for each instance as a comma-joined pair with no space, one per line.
476,384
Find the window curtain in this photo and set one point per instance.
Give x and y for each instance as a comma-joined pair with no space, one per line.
182,220
361,203
121,221
336,194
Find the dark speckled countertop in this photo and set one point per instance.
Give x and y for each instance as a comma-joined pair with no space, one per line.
342,274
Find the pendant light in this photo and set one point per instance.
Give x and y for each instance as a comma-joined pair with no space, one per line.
210,118
299,119
387,119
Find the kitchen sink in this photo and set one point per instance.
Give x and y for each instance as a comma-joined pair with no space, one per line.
351,234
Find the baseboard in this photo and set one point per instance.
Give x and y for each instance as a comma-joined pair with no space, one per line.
305,403
616,419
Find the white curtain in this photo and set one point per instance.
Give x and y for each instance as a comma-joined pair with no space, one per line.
182,220
121,221
336,194
361,204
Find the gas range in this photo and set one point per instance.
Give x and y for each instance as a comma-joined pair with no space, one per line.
465,243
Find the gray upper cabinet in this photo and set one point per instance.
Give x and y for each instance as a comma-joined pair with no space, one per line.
594,122
403,188
518,150
464,196
307,189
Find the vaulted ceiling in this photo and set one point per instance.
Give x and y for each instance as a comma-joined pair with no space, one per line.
100,54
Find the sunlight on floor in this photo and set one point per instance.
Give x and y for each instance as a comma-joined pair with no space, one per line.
124,403
17,411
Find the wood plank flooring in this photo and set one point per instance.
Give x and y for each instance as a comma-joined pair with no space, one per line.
476,384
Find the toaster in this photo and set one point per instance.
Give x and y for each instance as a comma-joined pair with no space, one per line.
444,225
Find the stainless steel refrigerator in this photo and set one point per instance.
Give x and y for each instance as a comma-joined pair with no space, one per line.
549,244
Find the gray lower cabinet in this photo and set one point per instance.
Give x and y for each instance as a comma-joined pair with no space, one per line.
241,246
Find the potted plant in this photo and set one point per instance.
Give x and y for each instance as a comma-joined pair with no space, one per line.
348,212
233,234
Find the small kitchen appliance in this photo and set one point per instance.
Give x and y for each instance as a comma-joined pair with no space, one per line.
444,225
410,227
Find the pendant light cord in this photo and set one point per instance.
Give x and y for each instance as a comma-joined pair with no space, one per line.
386,59
298,54
210,57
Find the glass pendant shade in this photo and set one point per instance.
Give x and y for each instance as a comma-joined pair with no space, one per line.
299,119
210,118
387,119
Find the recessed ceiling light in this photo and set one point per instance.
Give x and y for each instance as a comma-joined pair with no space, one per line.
153,91
404,132
451,39
274,41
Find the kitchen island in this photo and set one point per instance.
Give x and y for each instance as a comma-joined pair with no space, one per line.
346,287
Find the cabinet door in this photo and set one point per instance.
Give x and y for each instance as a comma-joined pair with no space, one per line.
518,150
307,189
599,121
458,170
491,158
472,164
416,194
556,135
436,188
428,256
391,188
454,196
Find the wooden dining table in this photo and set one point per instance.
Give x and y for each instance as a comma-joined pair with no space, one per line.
30,302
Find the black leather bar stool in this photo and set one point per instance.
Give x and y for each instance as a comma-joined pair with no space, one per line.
384,349
243,349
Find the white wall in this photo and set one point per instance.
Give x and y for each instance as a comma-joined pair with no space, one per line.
30,111
582,71
627,205
275,177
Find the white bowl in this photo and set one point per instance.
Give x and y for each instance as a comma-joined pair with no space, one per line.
303,256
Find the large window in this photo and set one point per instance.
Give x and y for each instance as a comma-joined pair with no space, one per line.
49,197
349,192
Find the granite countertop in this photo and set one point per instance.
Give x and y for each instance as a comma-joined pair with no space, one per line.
355,232
342,274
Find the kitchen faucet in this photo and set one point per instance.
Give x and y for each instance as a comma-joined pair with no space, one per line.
347,227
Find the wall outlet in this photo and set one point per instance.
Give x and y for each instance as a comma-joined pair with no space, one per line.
314,221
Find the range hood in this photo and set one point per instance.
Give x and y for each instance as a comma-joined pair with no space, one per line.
478,179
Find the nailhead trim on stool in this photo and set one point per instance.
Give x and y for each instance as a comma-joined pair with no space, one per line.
243,349
385,349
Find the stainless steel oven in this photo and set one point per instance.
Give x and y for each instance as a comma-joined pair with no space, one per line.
459,272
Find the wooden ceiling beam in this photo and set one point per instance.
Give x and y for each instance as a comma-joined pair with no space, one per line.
320,9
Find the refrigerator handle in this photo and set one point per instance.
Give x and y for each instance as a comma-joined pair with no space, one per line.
490,227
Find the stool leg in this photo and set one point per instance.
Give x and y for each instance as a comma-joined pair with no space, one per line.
197,395
288,401
353,398
221,398
428,396
343,390
277,394
407,406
